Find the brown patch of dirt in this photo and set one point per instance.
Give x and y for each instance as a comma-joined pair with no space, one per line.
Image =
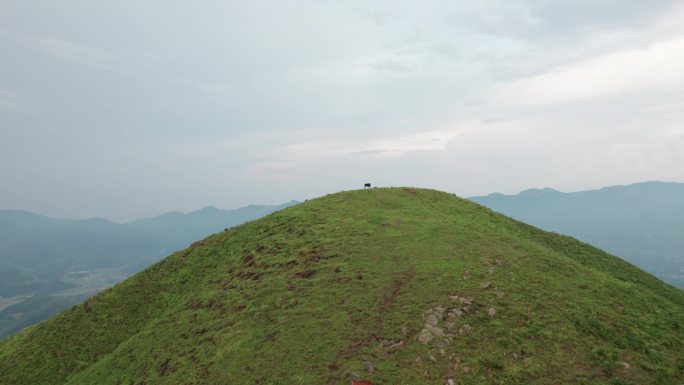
305,274
397,286
164,367
310,257
250,275
360,341
248,260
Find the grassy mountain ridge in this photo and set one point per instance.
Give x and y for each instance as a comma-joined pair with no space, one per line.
641,223
48,265
394,285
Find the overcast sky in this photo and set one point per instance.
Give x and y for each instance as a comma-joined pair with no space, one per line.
130,108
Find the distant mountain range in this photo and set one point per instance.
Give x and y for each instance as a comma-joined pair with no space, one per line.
48,264
642,223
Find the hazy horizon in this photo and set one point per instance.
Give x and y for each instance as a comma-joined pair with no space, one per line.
128,110
191,210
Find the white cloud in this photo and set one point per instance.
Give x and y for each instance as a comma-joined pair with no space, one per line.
8,100
656,68
67,50
436,140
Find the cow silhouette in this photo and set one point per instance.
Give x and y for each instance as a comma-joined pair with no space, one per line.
367,185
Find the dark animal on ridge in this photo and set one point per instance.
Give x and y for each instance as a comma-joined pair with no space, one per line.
367,185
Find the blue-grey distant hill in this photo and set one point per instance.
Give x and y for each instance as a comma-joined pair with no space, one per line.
643,223
49,264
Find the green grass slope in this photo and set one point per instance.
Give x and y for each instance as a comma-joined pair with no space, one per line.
346,285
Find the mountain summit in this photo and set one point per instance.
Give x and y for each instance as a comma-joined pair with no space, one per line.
395,286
